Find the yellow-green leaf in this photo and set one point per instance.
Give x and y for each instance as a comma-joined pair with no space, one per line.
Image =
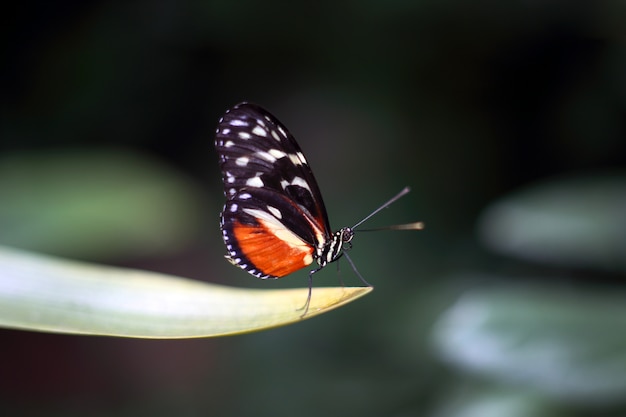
48,294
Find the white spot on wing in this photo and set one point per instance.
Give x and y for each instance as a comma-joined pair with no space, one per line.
233,207
229,143
277,153
294,159
238,122
242,161
266,155
300,183
259,131
301,157
275,135
244,135
255,182
275,212
245,196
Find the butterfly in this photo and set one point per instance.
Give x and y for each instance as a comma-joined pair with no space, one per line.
274,221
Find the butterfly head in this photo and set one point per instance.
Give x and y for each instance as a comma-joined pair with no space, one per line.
346,234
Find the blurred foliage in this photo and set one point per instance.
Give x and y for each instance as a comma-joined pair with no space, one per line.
491,400
481,107
565,344
549,334
95,204
576,221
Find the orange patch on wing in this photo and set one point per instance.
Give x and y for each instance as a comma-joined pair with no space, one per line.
270,254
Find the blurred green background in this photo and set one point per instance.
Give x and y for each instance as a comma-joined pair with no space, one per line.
507,119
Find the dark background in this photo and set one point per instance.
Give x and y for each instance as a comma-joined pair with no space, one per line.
466,102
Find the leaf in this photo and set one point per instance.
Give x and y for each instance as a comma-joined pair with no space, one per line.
52,295
575,221
72,203
473,399
562,342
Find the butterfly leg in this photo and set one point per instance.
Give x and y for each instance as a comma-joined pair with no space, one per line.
305,307
356,271
339,276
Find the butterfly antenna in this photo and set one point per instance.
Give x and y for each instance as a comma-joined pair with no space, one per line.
408,226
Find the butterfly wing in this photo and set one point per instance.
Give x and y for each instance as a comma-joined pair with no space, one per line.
274,217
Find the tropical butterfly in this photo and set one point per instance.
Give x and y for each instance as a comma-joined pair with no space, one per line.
274,221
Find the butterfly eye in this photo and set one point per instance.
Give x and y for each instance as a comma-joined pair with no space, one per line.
347,234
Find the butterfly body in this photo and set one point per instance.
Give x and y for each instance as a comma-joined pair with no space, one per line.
274,221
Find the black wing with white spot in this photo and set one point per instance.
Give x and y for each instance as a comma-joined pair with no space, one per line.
272,196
